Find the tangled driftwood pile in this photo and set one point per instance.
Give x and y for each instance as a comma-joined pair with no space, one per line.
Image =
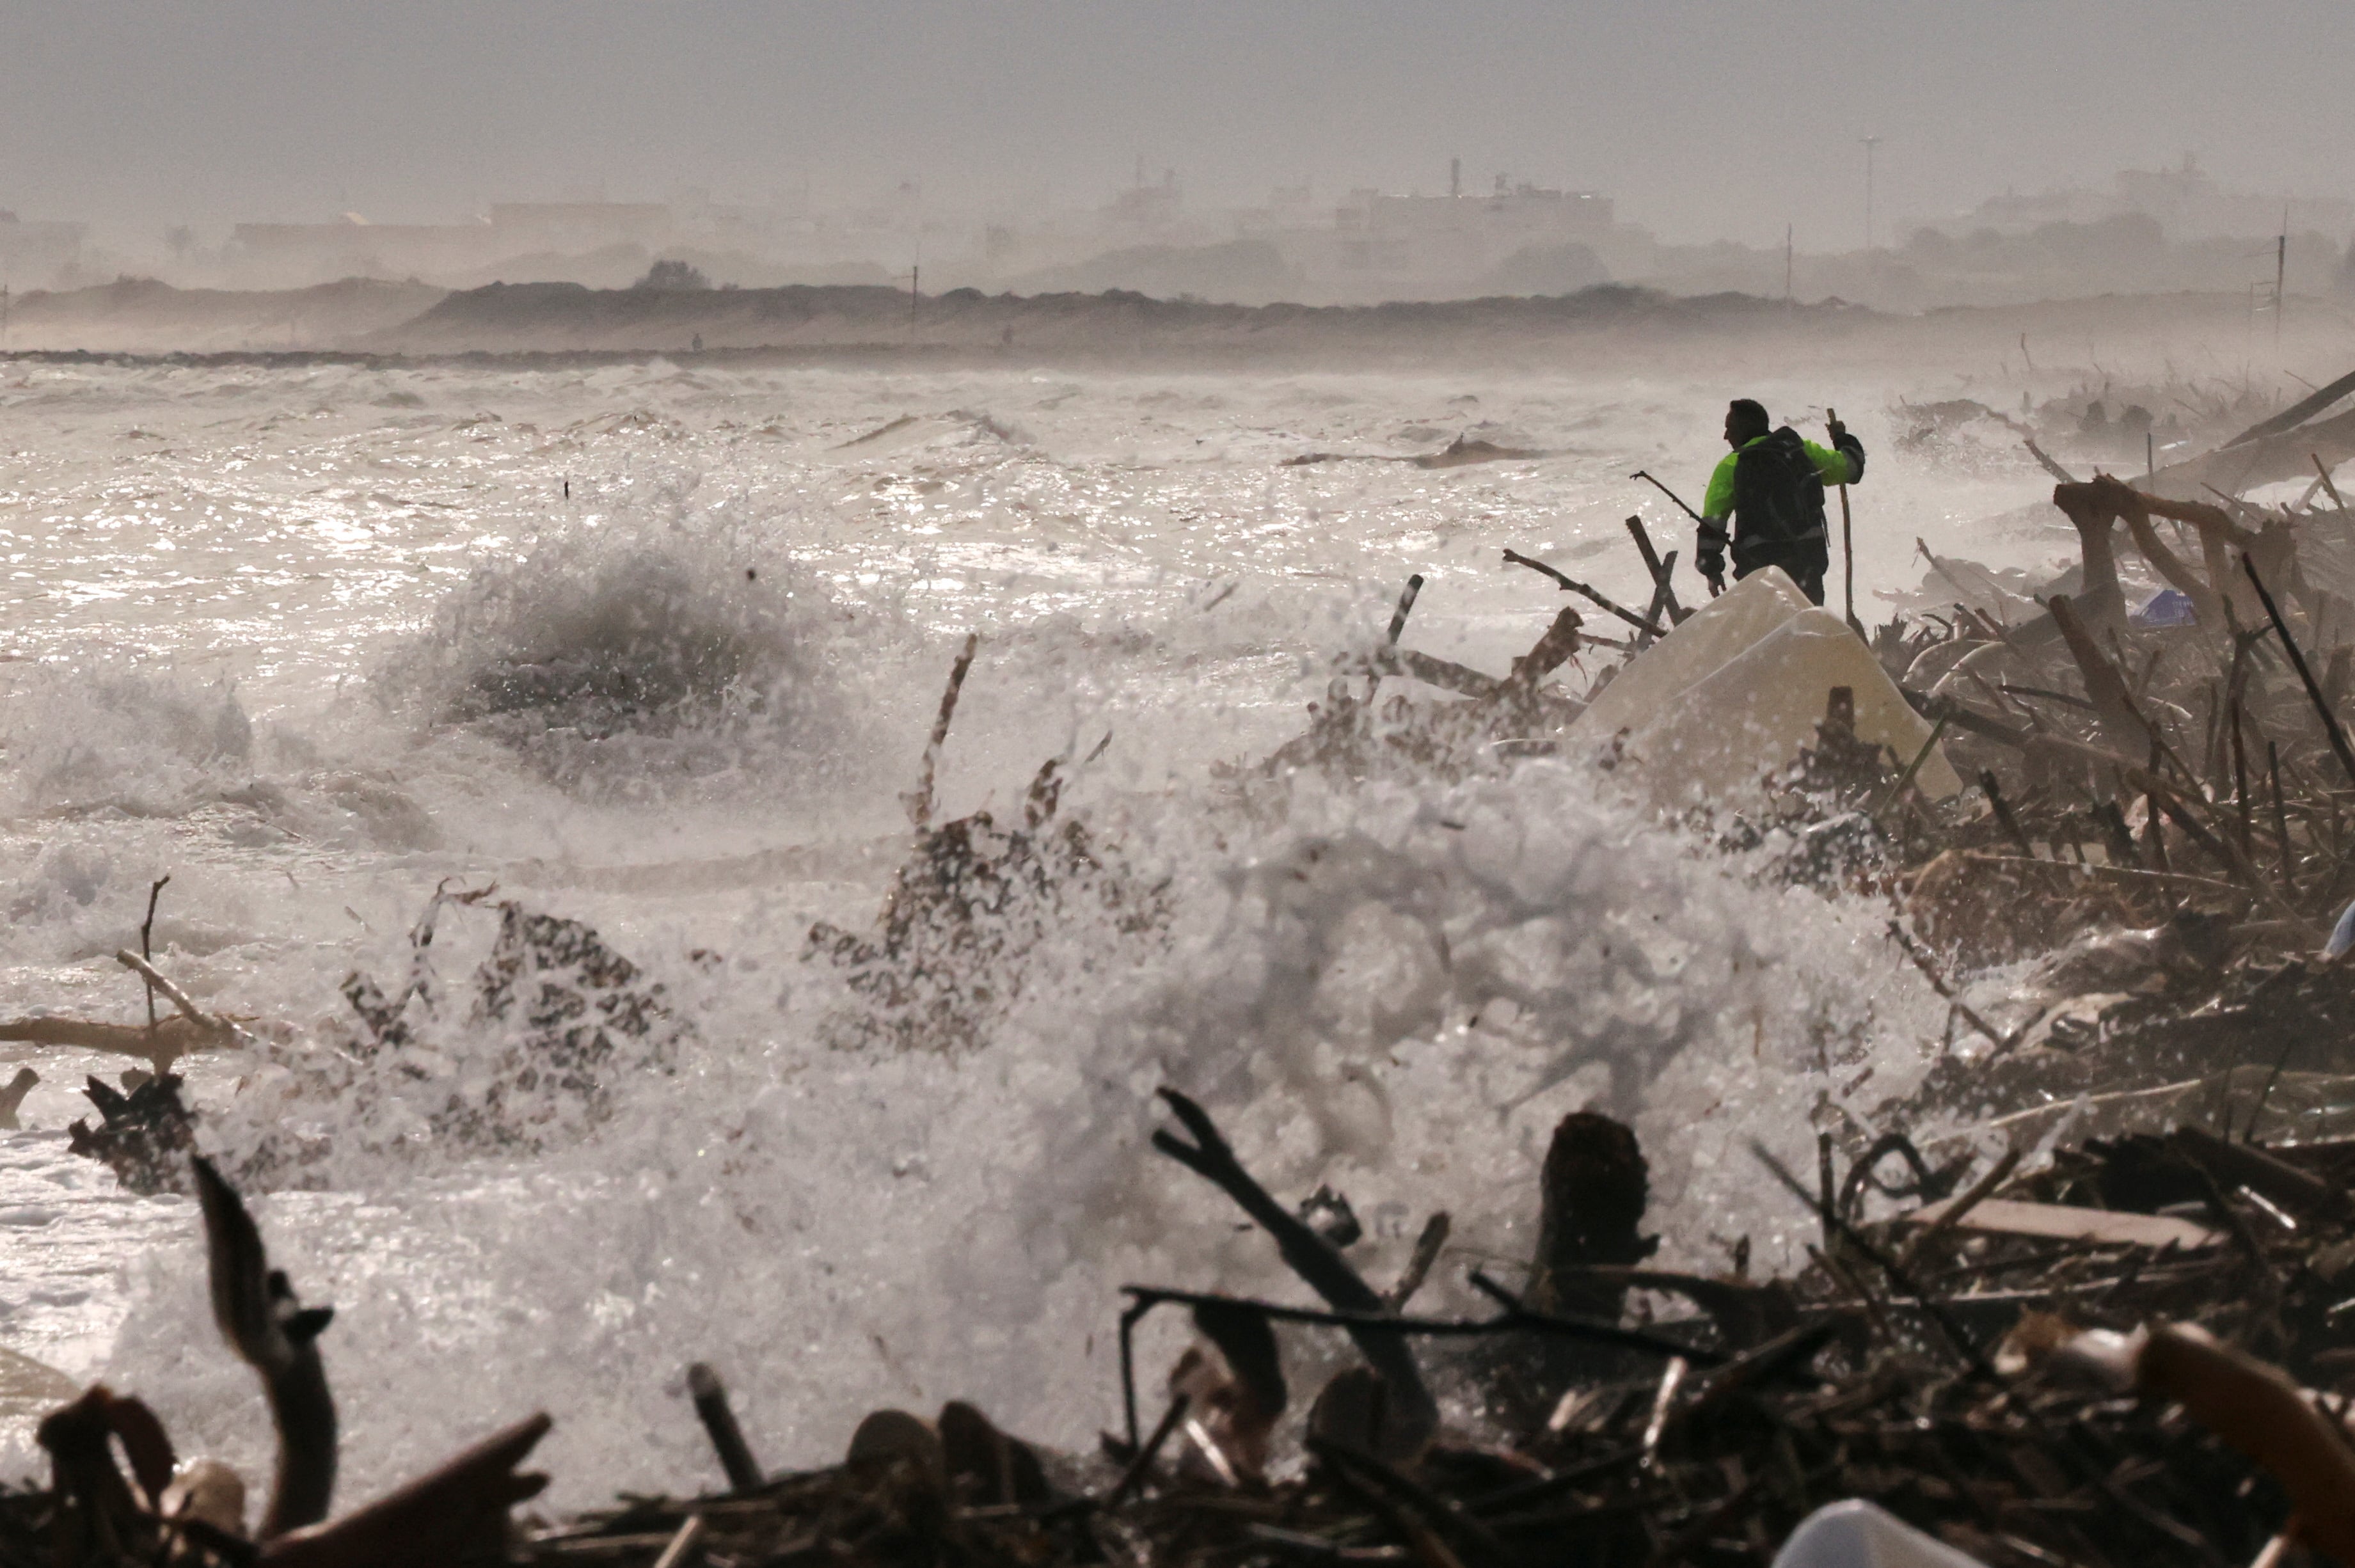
969,904
2163,821
2033,1368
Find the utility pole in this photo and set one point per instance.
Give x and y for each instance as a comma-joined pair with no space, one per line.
1870,144
1787,263
2281,274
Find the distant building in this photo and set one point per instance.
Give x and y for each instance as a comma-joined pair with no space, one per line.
2185,201
281,254
1448,243
355,247
571,225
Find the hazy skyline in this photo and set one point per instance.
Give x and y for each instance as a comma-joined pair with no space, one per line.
1703,120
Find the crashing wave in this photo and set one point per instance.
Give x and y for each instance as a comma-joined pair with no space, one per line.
614,655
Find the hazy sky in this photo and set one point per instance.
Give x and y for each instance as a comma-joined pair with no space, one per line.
1703,119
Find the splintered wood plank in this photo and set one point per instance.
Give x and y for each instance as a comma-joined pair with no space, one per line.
2062,1223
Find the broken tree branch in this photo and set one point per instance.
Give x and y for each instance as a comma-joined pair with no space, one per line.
1418,1265
147,940
920,801
211,1024
1411,1415
1572,585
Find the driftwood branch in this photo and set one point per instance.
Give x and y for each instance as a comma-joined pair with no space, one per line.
277,1336
212,1024
455,1513
711,1396
1405,608
920,801
1413,1416
1572,585
2049,466
171,1039
2305,673
147,939
1418,1267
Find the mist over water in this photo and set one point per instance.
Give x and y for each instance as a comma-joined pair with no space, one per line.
316,641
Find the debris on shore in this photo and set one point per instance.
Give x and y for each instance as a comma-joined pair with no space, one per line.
2129,1355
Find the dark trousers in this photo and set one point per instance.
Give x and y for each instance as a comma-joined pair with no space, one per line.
1803,562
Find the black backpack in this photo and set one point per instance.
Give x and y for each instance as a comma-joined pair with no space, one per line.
1778,496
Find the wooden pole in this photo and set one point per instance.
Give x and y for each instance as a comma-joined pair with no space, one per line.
2281,277
1847,546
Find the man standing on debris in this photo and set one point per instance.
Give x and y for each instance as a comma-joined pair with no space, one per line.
1772,486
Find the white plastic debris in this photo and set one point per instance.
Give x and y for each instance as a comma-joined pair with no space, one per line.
1733,694
1858,1534
2342,935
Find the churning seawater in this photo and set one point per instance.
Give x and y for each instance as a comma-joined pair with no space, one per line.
316,640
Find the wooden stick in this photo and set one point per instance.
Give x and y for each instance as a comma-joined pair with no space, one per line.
1572,584
711,1396
2246,1166
209,1022
1898,787
1412,1415
1418,1267
1405,608
2298,660
1142,1461
172,1037
1517,1318
919,803
1980,1190
1663,599
2241,778
683,1545
147,940
2327,484
1848,545
1899,1276
2002,1043
2003,816
1473,1535
1424,1542
2122,723
1661,574
2050,466
2281,819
